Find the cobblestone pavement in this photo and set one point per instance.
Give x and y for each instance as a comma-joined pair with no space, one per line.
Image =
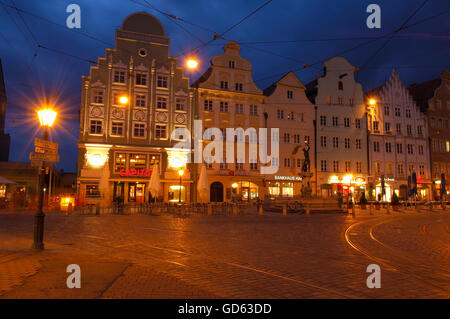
249,256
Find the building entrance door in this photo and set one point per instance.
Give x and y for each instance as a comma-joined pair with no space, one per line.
216,192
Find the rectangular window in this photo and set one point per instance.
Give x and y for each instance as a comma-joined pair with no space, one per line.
161,102
358,167
290,94
253,110
323,120
120,160
422,170
208,105
299,163
410,149
388,147
336,166
323,141
287,137
117,128
419,130
119,77
323,165
400,169
376,146
224,107
280,114
335,121
223,84
340,100
387,127
307,140
239,166
346,121
254,166
409,130
160,131
386,110
420,149
239,109
140,100
139,130
335,142
351,101
398,128
92,190
97,97
376,126
297,138
397,112
116,97
358,123
358,143
138,161
408,113
223,166
231,64
180,104
347,142
238,87
291,116
400,148
141,79
162,81
348,166
95,127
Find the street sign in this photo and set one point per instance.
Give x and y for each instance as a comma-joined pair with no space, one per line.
46,144
47,157
39,149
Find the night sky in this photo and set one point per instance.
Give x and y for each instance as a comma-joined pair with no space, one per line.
420,52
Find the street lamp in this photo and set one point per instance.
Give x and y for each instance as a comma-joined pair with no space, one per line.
180,172
372,101
123,99
46,119
192,63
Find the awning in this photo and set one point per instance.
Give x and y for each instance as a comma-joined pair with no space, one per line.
6,181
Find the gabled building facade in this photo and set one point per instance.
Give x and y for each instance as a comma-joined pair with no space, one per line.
398,141
131,102
228,98
341,131
433,97
287,108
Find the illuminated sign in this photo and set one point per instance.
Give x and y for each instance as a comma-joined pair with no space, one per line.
288,178
387,179
135,172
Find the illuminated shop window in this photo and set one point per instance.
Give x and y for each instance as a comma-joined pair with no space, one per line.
120,160
138,161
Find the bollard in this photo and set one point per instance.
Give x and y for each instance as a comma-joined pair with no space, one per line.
284,210
261,210
370,209
307,209
97,209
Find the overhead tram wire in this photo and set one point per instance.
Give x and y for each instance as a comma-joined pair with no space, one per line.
218,36
361,44
394,33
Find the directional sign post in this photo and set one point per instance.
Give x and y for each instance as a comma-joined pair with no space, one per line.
47,157
44,151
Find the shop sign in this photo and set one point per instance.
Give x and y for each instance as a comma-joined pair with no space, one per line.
288,178
387,179
135,172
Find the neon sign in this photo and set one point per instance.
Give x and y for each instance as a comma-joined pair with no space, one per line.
135,172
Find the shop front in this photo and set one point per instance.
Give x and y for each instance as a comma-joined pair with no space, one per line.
347,185
284,186
389,188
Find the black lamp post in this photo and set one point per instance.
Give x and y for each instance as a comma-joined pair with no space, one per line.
46,118
180,172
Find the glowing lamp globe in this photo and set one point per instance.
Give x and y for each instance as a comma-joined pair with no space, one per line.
47,117
123,100
192,63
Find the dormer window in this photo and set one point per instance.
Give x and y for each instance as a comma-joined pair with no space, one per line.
231,64
239,87
223,84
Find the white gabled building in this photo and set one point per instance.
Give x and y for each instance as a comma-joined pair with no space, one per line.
286,107
398,140
341,130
